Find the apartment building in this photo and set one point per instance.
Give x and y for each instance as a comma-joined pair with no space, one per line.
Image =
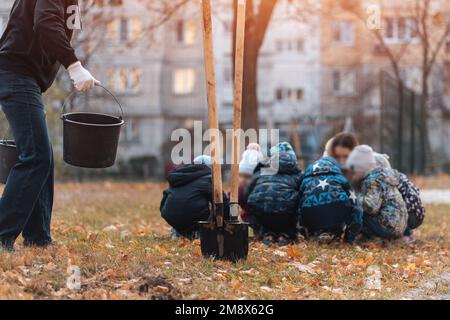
313,71
161,79
352,58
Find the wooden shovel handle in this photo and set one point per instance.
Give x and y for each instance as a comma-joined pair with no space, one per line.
238,82
212,100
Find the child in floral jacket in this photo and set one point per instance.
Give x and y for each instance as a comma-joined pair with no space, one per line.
385,212
411,195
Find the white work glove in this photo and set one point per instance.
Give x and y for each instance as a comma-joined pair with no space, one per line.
81,78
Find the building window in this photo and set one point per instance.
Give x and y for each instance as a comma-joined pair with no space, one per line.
124,29
227,27
184,81
227,75
279,94
343,33
289,95
186,32
344,82
300,45
112,30
125,79
289,45
399,30
300,95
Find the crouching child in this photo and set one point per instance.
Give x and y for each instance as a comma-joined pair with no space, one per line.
385,212
272,196
251,158
189,198
328,205
411,195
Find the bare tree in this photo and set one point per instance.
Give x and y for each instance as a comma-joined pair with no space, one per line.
432,28
432,42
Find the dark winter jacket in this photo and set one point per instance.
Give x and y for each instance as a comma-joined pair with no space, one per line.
382,199
275,193
189,197
327,200
37,38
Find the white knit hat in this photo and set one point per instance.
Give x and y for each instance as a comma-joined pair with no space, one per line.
362,159
250,159
382,160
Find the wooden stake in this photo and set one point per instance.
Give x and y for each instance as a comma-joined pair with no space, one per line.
238,82
212,102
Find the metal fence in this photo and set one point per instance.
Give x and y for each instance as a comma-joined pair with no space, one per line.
401,132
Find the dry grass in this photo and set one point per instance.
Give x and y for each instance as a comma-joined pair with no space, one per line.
441,181
113,232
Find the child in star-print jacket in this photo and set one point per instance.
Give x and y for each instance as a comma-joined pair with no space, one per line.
328,204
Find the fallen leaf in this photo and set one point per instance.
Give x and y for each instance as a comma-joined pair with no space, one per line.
294,253
304,268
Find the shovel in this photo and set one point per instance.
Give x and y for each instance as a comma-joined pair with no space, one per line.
225,240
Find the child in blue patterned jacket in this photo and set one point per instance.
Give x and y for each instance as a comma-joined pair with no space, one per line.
272,196
328,205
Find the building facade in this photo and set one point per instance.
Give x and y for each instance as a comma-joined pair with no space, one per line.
315,74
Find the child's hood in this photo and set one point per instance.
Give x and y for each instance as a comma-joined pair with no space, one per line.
386,175
186,174
324,166
287,163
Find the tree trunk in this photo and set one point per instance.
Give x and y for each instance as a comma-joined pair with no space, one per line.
250,119
425,136
257,22
401,113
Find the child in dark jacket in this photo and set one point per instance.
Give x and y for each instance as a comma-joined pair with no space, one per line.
328,204
272,195
189,197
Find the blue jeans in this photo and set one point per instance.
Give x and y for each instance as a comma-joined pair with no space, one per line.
27,201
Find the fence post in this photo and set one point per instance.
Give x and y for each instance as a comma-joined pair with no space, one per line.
412,162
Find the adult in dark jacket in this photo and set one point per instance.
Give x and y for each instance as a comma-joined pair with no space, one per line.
35,43
272,197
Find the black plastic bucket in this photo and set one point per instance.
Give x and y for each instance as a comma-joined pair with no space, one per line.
91,139
227,243
8,159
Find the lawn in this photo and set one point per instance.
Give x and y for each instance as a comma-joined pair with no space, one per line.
113,233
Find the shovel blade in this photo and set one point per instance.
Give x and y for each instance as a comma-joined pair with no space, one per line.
228,243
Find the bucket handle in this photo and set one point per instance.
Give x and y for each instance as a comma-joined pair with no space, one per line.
98,85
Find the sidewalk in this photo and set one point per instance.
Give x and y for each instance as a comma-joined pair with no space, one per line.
436,196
